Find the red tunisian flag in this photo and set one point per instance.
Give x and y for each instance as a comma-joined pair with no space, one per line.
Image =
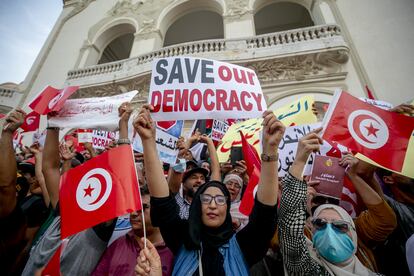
380,135
51,99
253,165
31,122
99,190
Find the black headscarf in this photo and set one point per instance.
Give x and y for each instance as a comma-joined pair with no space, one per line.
198,232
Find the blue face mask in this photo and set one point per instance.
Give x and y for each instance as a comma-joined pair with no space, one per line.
334,246
180,166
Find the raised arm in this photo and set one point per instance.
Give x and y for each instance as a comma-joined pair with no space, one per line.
8,168
212,152
145,126
51,163
38,155
124,112
273,130
292,212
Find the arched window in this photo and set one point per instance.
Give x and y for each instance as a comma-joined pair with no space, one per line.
197,25
117,49
282,16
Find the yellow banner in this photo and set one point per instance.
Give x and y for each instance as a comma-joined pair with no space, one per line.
297,113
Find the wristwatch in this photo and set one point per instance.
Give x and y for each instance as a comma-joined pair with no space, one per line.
123,142
269,158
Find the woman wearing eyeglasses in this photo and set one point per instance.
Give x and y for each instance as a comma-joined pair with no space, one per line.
335,236
206,244
234,184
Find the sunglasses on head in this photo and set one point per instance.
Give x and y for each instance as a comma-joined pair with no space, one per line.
218,199
319,200
339,225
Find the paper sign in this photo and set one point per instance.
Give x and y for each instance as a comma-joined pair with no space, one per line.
166,142
84,136
297,113
218,130
95,113
377,103
102,138
330,175
186,87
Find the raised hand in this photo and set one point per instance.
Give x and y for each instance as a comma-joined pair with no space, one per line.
350,162
149,261
35,148
144,124
308,144
404,108
14,120
65,152
125,111
273,131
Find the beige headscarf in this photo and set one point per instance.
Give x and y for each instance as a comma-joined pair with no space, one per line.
350,267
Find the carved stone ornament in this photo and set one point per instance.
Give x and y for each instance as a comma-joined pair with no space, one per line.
237,8
298,68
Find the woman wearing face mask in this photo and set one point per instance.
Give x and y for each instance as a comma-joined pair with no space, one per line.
334,241
206,244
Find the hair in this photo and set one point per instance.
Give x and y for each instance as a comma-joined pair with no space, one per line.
144,190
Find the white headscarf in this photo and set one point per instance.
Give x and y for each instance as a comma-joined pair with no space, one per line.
350,267
236,178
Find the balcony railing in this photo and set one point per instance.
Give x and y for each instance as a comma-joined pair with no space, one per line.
291,42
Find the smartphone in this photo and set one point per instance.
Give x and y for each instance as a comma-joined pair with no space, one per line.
236,154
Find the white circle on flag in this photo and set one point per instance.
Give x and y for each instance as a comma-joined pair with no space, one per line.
368,129
94,189
30,120
56,99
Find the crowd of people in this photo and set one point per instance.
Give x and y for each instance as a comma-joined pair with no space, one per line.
190,212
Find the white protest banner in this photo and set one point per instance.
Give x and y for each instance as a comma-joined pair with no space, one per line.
377,103
95,113
101,138
166,138
218,130
84,136
289,145
194,88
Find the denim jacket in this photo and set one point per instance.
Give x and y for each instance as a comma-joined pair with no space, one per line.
186,261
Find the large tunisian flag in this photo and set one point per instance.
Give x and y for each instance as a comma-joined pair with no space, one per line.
51,99
99,190
379,134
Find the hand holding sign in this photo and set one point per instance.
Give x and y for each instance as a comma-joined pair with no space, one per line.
307,144
144,124
350,162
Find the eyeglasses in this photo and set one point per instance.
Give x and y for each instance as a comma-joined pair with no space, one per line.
218,199
339,225
234,184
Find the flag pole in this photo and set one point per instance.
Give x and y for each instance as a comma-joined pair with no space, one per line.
139,191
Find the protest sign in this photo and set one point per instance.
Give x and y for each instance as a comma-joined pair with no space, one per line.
96,113
186,87
40,138
297,113
166,142
84,136
377,103
102,138
218,130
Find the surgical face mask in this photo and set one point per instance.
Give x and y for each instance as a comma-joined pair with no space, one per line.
180,166
333,245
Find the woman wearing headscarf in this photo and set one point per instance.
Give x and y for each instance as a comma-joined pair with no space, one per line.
234,184
206,244
334,244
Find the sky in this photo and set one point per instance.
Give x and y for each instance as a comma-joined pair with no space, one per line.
24,27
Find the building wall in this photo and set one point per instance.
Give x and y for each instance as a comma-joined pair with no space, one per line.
382,33
378,32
